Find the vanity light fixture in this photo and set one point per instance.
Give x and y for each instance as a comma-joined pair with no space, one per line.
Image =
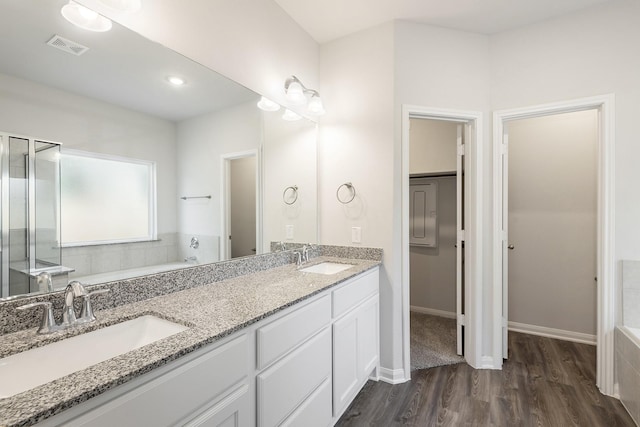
176,81
127,6
297,94
290,116
85,18
266,104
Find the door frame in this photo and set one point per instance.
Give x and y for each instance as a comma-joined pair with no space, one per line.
473,229
606,295
225,205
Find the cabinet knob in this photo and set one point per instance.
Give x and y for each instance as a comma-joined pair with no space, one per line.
510,247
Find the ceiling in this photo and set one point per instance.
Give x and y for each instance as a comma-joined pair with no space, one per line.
327,20
121,67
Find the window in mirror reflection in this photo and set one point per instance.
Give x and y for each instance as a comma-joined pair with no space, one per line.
106,199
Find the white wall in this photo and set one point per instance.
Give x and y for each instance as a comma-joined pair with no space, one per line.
253,42
356,145
553,221
202,141
290,158
584,54
82,123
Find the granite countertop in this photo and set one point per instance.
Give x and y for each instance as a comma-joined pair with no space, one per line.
211,311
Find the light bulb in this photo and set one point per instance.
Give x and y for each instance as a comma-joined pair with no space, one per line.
315,106
266,104
290,116
85,18
295,94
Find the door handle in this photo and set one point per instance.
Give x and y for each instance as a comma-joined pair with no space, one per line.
510,247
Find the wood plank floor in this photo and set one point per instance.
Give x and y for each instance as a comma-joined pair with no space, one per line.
545,382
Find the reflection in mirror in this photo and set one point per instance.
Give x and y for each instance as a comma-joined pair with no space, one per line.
149,176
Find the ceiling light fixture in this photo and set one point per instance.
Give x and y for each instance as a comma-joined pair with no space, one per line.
297,94
266,104
176,81
85,18
127,6
290,116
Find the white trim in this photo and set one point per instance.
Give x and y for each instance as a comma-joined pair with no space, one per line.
606,226
559,334
473,230
486,362
393,376
225,249
433,312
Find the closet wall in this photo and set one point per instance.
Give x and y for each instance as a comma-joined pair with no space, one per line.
433,269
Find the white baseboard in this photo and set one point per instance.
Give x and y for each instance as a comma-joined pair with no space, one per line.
392,376
433,312
486,362
559,334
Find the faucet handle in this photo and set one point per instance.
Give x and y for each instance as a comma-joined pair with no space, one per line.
86,313
47,323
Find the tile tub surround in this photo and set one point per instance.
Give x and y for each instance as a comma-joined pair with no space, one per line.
212,311
628,371
631,293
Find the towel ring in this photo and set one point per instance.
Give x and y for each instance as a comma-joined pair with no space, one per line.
350,187
294,194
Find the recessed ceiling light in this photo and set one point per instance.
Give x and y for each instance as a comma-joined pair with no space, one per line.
176,81
85,18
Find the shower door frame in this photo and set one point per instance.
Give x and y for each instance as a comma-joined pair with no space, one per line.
5,203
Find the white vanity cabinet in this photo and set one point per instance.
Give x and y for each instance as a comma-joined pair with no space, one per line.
299,367
355,338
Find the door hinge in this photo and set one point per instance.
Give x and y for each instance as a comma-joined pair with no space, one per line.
461,235
504,323
461,149
461,319
504,149
504,236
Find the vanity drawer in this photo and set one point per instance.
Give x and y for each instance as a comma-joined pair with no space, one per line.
315,411
278,338
178,394
289,382
349,296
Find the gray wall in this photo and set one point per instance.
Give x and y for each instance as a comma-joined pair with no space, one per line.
552,221
433,270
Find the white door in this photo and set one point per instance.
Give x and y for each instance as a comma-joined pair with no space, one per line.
459,238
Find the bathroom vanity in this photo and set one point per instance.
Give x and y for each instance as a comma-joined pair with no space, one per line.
277,347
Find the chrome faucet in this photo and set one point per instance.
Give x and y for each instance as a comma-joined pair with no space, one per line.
69,319
305,253
73,290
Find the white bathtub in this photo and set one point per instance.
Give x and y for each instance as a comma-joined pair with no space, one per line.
633,334
130,273
627,343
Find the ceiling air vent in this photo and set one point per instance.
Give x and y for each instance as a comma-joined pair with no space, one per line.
67,45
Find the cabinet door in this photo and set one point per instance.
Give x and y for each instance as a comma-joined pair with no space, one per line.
355,352
345,360
232,411
368,346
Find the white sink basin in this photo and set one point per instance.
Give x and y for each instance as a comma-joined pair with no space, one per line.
326,268
24,371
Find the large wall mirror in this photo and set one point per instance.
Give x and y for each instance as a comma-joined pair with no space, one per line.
110,170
